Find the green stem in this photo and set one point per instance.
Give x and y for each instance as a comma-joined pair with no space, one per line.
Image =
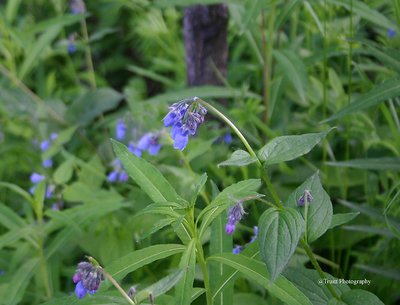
248,147
115,283
314,262
204,270
88,54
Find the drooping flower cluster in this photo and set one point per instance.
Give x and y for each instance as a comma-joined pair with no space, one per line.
87,279
235,214
184,117
305,198
238,248
150,142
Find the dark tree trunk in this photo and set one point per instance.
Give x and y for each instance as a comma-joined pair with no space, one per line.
205,33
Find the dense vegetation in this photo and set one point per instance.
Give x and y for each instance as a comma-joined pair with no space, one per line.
238,194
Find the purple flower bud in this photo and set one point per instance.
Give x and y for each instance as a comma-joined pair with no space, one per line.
47,163
254,237
235,214
113,176
305,198
87,278
36,178
71,48
57,206
230,228
154,148
44,145
120,129
227,138
132,291
50,190
77,7
53,136
391,33
123,176
237,249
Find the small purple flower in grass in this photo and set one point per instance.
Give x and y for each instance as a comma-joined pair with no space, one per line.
235,214
53,136
36,178
113,176
237,249
227,138
120,129
184,117
77,7
305,198
44,145
47,163
391,33
87,279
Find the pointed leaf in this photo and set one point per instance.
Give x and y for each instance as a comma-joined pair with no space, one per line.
339,219
319,214
357,297
184,289
279,232
287,148
239,158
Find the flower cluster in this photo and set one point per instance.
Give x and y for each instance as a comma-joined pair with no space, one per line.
118,173
305,198
235,214
87,279
45,145
238,249
184,117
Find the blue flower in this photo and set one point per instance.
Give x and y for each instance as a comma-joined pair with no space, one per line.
237,249
227,138
149,142
44,145
120,130
50,190
305,198
87,279
235,214
134,149
71,47
77,7
113,176
47,163
391,33
36,178
53,136
184,117
123,176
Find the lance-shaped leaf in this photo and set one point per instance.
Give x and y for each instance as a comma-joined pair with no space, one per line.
279,232
184,289
239,158
287,148
356,297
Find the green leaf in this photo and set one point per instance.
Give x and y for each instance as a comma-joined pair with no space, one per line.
220,242
308,281
38,198
239,158
255,270
380,93
384,163
287,148
319,214
239,191
10,219
139,258
184,289
295,70
20,280
278,236
358,297
64,172
34,52
339,219
18,190
160,287
364,11
92,104
147,176
198,186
